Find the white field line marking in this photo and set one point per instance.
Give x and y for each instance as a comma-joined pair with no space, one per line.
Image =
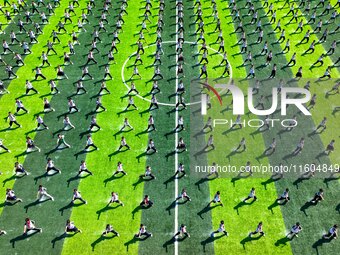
176,138
167,42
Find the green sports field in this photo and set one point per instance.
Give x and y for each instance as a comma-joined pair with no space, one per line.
166,215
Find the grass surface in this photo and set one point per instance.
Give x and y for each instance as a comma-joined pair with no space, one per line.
234,190
240,218
125,219
17,87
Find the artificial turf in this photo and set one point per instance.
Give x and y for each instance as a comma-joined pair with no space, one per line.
54,215
194,215
240,217
17,87
328,102
99,214
163,161
300,246
235,213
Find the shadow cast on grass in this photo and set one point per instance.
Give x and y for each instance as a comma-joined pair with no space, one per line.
106,208
210,240
100,239
300,180
137,209
61,237
168,243
171,207
319,243
269,181
133,241
283,241
139,181
241,204
13,177
171,179
239,177
34,203
202,181
248,239
75,178
330,179
306,206
69,206
337,208
44,175
206,210
112,178
22,237
275,204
